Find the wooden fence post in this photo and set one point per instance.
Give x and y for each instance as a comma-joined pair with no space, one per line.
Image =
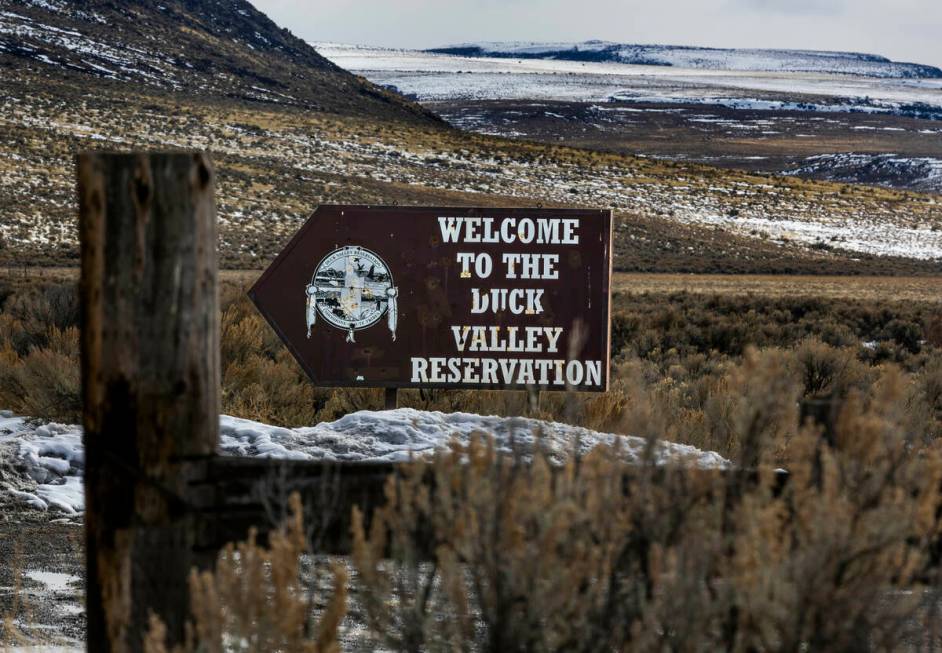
150,375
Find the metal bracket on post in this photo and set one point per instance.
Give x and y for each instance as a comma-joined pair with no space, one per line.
533,402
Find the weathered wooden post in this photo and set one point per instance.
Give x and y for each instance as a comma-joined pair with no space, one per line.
150,374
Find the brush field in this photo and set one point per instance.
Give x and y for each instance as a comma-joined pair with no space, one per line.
741,365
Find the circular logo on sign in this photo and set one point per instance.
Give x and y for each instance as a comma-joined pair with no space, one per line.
352,289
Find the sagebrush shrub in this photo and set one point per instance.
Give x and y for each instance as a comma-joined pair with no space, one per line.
677,365
499,555
255,600
46,381
829,371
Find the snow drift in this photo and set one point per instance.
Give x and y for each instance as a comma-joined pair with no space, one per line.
47,461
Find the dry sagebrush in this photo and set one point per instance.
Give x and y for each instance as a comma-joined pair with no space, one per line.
497,555
680,364
256,602
39,355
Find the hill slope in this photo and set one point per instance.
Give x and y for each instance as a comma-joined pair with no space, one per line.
803,61
225,48
288,131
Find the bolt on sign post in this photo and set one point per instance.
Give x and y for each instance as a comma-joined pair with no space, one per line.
416,297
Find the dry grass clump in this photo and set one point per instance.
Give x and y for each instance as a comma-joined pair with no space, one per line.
255,600
713,405
820,286
47,379
39,353
260,379
19,610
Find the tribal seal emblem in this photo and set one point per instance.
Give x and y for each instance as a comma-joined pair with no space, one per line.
352,289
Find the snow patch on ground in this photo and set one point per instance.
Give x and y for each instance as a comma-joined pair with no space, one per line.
397,435
920,173
866,237
43,648
47,595
54,581
50,460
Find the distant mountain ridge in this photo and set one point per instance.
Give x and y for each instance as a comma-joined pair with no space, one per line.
757,60
225,48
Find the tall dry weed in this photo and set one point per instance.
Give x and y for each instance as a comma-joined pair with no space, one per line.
45,382
256,601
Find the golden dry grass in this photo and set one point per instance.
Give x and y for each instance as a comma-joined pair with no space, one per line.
922,289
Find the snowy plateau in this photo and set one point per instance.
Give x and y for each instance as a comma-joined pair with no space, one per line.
435,76
758,60
48,459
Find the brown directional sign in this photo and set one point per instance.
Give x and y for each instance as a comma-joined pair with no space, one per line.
445,297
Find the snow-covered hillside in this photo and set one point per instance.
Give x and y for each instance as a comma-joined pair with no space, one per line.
196,48
45,462
757,60
924,173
